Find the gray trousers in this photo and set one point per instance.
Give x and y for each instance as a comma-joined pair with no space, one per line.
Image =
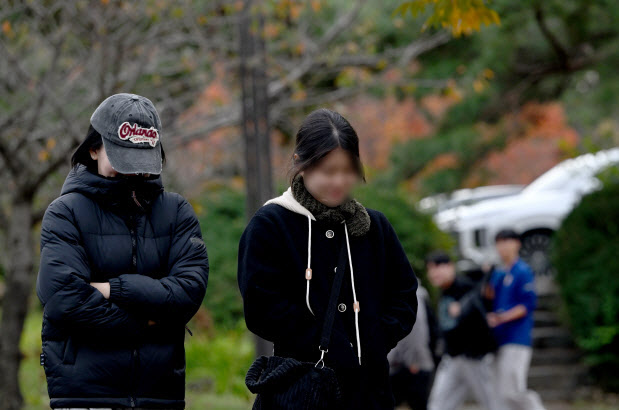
458,377
512,367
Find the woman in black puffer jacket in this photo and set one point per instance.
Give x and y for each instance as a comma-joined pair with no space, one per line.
123,269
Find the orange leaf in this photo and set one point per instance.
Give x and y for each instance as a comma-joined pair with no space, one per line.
6,27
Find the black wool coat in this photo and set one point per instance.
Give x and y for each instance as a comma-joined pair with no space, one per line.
104,353
271,275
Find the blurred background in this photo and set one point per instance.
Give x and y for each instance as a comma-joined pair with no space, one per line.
472,115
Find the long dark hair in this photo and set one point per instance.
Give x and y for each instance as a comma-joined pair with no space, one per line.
81,156
93,141
321,132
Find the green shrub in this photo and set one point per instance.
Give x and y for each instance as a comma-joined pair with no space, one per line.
585,254
416,230
222,218
218,364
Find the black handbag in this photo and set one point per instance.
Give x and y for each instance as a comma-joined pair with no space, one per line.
286,383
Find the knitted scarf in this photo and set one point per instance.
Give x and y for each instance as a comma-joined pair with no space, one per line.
351,211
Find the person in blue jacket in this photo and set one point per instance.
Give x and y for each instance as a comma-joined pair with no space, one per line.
512,290
123,269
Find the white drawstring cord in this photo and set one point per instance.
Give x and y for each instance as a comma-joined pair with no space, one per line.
354,296
308,271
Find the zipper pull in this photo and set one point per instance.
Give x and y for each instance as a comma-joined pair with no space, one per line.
188,330
135,199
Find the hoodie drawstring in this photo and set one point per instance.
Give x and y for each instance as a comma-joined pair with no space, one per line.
308,278
308,271
354,297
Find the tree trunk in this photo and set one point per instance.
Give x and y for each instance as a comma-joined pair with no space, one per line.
19,282
255,122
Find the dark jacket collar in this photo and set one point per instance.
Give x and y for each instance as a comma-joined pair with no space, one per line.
115,193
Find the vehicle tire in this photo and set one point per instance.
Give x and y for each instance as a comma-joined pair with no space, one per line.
535,251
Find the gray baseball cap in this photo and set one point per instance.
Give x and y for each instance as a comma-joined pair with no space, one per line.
131,131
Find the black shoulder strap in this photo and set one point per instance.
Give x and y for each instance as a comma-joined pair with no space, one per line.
335,293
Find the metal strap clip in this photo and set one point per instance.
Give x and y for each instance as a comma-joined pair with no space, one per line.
321,362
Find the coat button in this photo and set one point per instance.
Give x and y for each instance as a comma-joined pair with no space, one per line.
341,307
335,269
330,234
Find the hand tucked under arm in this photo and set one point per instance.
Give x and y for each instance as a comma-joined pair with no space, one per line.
177,296
103,287
63,283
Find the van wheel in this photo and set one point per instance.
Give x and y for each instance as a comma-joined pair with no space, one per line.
535,251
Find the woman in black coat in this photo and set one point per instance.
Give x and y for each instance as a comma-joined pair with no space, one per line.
288,256
123,269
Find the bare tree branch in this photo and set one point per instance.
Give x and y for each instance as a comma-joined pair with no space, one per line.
4,223
10,160
39,178
337,27
552,39
38,214
44,88
315,100
423,45
230,117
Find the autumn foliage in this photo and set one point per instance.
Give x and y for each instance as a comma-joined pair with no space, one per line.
537,137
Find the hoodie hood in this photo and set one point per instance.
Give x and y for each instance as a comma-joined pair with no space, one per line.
288,201
113,192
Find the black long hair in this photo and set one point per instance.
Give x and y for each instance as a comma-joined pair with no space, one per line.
81,156
93,141
321,132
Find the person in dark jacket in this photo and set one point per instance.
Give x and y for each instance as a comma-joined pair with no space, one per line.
123,269
465,368
288,257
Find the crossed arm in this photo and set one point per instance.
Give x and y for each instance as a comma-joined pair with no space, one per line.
126,304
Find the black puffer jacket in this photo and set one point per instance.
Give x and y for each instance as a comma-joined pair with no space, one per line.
271,273
147,243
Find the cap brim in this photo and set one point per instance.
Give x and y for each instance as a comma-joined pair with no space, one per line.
134,160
